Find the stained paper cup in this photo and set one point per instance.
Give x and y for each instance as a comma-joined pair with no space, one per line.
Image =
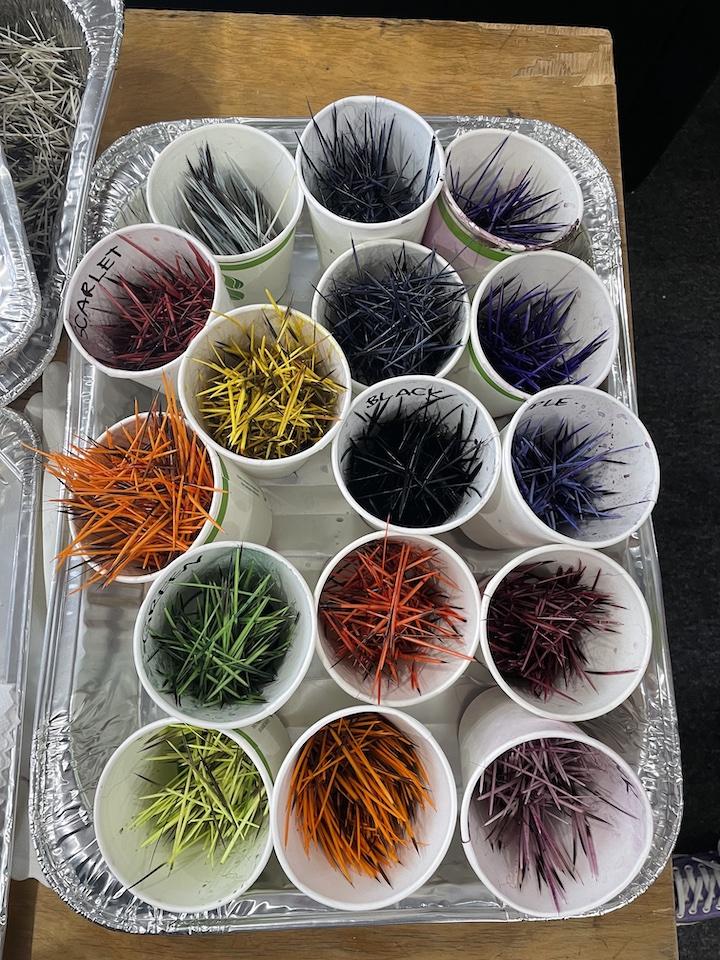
507,520
375,256
412,393
86,304
412,136
316,877
434,678
611,652
471,250
490,727
194,883
238,505
269,166
592,315
201,562
237,325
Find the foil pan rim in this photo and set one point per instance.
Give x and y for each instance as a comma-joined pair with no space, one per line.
16,435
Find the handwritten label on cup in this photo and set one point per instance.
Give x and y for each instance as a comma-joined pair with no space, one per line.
97,272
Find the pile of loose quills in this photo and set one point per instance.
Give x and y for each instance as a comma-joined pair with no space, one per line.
41,87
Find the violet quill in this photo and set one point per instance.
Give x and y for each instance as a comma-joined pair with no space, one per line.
360,173
413,467
401,318
539,803
152,318
513,208
541,622
558,472
41,86
219,205
524,335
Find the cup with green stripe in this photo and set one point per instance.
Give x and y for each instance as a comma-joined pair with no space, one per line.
480,164
239,508
252,259
503,369
239,663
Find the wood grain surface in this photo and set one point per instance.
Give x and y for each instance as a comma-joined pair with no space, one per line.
176,65
41,927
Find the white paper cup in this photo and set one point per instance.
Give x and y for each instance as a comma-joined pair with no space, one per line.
507,520
412,136
626,646
269,166
592,315
202,562
317,878
434,678
238,506
412,393
237,325
194,883
490,727
471,250
86,306
376,256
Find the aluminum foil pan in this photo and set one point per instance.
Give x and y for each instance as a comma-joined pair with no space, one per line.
19,486
96,27
19,293
90,698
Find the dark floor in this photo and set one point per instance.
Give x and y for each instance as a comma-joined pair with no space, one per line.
673,222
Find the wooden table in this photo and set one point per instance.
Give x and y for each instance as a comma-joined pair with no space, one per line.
177,65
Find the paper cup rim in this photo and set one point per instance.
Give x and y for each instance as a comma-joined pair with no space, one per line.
220,491
492,440
579,736
263,710
385,224
171,366
516,262
489,239
535,705
296,460
541,528
248,748
277,816
470,586
465,322
195,133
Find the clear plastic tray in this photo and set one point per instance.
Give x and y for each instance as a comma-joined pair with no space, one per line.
90,697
